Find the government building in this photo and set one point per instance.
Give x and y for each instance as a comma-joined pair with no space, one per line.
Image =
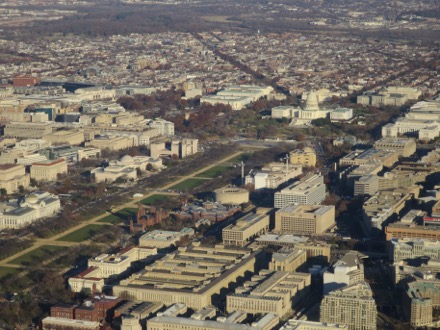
309,190
17,214
247,228
269,292
191,275
309,219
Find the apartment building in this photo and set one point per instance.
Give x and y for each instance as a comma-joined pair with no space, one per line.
352,305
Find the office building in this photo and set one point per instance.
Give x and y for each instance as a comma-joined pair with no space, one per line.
310,325
267,322
404,146
273,175
27,130
164,239
106,265
308,190
383,208
341,114
352,305
247,228
401,249
48,170
305,157
189,275
165,127
269,292
315,251
288,260
360,157
366,185
57,323
307,219
346,271
12,176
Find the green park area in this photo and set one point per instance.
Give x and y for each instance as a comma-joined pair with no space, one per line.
120,216
82,234
154,199
4,271
38,255
213,172
188,184
240,158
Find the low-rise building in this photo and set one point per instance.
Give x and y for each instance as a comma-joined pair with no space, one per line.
269,292
247,228
57,323
309,219
341,114
273,175
383,208
110,142
316,251
189,275
72,137
163,239
231,195
404,146
310,325
288,260
48,170
181,148
401,249
165,127
13,176
359,157
106,265
305,157
35,206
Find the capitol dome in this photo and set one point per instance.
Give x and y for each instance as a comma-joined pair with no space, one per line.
312,102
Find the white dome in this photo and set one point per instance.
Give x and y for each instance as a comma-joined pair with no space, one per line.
126,159
312,102
32,198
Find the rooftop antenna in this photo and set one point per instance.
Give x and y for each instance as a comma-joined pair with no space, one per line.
242,173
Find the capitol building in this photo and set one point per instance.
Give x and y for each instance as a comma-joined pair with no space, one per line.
304,115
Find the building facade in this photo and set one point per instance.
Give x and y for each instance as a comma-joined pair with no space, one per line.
309,190
310,219
351,305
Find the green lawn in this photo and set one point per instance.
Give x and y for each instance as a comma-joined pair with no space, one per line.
38,255
8,271
154,199
120,216
81,234
188,184
240,158
213,172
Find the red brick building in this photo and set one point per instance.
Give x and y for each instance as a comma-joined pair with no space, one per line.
25,80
